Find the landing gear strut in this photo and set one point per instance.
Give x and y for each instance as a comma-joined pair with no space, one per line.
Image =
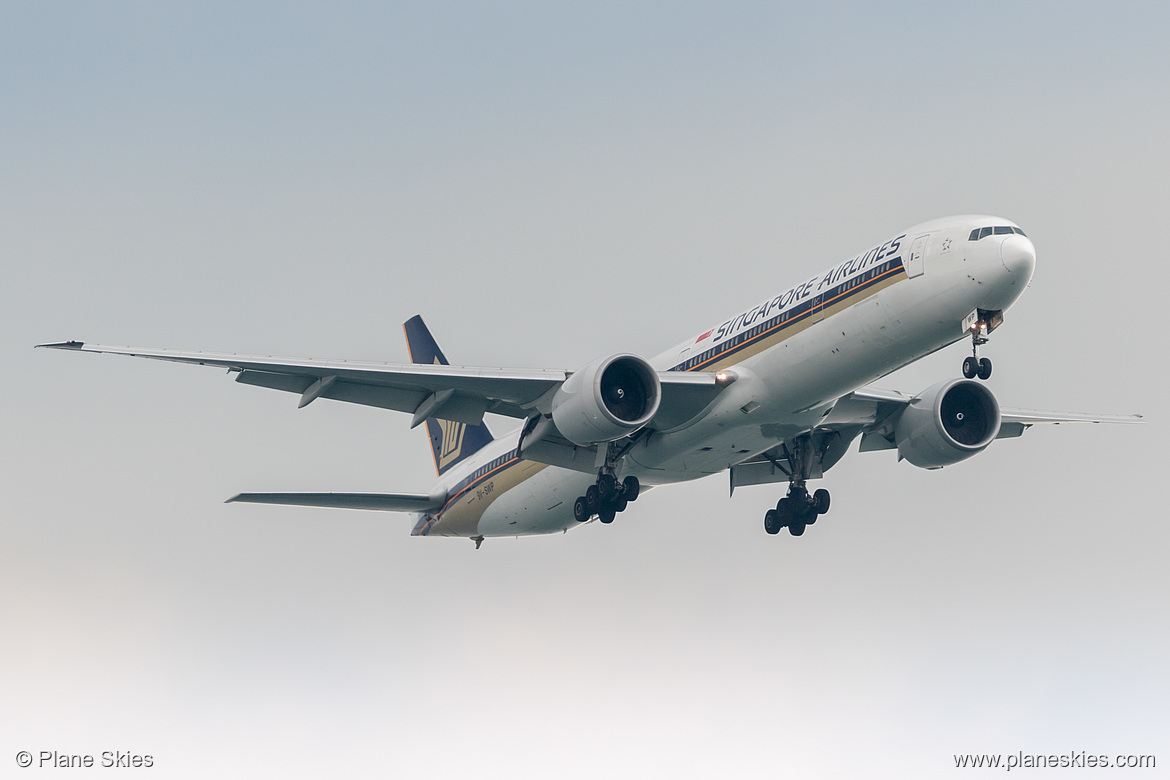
606,497
798,510
973,365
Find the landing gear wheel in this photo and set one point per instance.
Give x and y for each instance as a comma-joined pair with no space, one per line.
630,488
784,512
772,521
606,515
607,486
971,367
622,503
580,513
984,368
797,511
821,501
592,499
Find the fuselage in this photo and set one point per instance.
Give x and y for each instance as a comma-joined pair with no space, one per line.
793,355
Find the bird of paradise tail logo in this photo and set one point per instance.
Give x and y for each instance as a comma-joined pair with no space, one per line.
451,437
452,441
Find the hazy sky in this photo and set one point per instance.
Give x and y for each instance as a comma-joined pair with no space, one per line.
548,184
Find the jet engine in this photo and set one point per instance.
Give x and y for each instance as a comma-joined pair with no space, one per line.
946,423
606,400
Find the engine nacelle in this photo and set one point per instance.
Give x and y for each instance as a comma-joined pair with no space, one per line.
947,423
608,399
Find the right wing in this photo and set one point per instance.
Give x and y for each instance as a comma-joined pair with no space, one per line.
462,394
456,393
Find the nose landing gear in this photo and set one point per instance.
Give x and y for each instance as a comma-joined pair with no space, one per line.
980,323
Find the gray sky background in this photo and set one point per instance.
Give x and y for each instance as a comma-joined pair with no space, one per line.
547,185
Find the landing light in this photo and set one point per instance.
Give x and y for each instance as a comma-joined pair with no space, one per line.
724,378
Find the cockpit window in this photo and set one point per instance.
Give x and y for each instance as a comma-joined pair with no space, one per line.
997,230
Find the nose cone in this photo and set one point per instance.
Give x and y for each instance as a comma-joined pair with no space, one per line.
1019,258
1002,272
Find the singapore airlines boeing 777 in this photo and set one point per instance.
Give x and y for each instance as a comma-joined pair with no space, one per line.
776,393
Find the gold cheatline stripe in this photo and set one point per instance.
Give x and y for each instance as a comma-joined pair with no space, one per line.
871,285
475,482
449,519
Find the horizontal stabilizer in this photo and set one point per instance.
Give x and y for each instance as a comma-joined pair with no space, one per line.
1040,416
385,502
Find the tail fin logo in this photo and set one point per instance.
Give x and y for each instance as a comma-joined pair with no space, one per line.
452,442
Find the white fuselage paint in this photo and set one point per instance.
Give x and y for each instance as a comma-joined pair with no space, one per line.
788,381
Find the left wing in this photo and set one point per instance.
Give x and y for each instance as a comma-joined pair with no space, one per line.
871,414
456,393
883,405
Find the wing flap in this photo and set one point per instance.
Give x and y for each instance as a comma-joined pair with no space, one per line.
288,382
758,472
684,396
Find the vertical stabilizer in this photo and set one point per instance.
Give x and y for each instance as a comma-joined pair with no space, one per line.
451,442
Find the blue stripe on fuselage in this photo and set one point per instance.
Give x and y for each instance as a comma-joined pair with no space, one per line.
470,482
793,316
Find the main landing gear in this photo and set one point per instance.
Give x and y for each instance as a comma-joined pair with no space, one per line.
973,365
605,498
796,510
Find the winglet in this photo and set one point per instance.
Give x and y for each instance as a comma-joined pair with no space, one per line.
62,345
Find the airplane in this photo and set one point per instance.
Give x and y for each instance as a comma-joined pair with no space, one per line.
775,394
